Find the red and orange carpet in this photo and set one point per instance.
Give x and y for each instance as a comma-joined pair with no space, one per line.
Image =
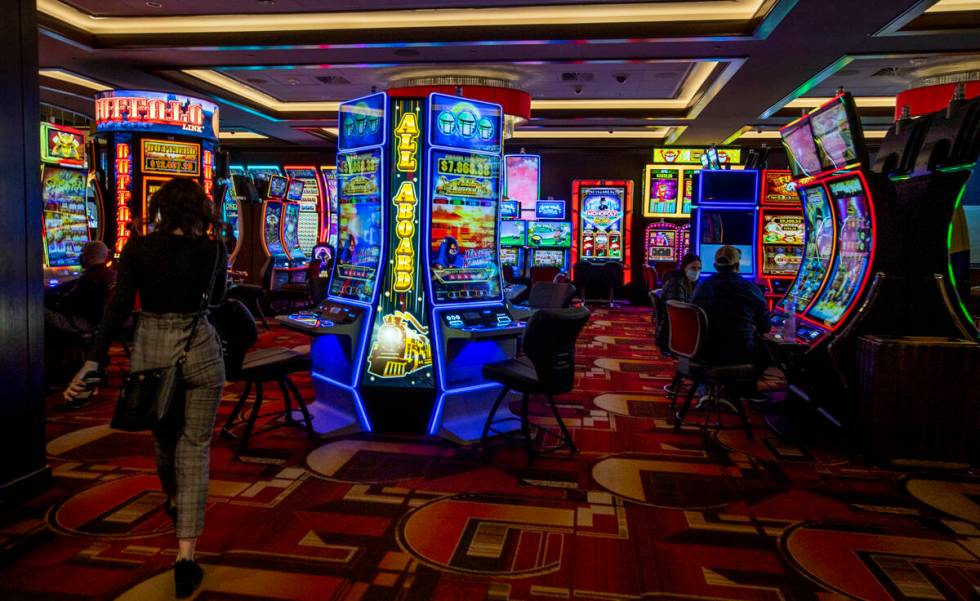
641,513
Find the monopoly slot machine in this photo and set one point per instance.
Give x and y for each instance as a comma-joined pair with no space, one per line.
602,212
72,203
725,214
312,206
781,231
522,181
549,237
142,140
330,222
415,306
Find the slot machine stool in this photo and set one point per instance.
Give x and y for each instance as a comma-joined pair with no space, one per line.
547,368
260,367
688,332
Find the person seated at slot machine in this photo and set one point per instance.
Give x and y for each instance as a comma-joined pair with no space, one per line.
678,285
449,256
737,313
79,309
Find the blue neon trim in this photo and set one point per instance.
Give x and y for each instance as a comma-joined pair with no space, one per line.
436,421
358,403
500,143
384,127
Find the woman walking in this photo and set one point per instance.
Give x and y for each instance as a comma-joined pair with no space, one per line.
171,269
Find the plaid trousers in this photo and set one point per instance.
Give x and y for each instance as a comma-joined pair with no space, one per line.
183,446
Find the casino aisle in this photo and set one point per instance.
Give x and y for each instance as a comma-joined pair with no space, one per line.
641,512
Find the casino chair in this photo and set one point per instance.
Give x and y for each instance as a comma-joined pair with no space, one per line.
543,274
548,295
547,368
612,279
586,278
688,335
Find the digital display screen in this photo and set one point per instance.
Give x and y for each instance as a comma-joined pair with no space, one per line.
465,124
550,209
719,228
510,209
801,149
690,183
549,234
663,191
161,113
229,211
63,193
162,157
359,225
513,233
782,243
509,257
295,191
684,240
273,219
277,186
779,188
522,179
548,258
62,145
463,254
833,136
290,232
361,122
854,243
729,187
819,222
330,193
601,212
661,244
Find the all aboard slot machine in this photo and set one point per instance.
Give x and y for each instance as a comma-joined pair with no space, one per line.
602,212
312,206
72,203
779,248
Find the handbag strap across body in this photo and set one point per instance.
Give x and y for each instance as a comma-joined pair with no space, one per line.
205,296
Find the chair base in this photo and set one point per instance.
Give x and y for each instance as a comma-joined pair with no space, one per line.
289,393
711,404
525,436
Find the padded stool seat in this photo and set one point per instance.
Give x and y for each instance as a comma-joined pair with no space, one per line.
517,374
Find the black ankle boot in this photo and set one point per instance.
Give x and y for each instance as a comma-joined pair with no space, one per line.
187,575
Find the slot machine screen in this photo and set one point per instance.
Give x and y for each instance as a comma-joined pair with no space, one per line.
729,187
66,224
661,245
509,256
359,225
834,136
549,258
544,234
549,209
602,211
513,233
690,181
295,191
463,251
229,209
782,243
801,149
854,245
719,228
522,179
510,209
277,186
663,191
290,232
819,247
273,220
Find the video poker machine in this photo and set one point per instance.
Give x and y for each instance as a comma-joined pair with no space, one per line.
602,212
779,244
142,140
72,202
415,305
725,214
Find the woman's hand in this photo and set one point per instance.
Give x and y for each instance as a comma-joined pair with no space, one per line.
77,385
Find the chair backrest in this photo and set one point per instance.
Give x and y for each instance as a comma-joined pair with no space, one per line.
688,328
613,274
546,295
549,342
659,306
543,274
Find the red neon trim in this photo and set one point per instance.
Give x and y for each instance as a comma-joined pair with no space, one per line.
627,227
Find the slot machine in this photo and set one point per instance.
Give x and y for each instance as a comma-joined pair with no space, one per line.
292,214
779,245
512,255
725,214
277,265
330,219
549,239
313,207
602,212
683,240
661,246
415,305
72,202
142,140
522,182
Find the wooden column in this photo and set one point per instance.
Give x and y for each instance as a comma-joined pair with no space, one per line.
23,468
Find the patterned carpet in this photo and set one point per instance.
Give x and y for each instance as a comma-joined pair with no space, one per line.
641,512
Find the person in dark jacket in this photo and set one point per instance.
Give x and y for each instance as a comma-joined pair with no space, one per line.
80,309
679,286
737,313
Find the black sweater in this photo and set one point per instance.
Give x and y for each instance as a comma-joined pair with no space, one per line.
170,274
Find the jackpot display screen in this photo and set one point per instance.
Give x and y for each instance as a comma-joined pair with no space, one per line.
273,221
277,186
719,228
513,233
664,190
463,251
782,243
819,240
549,234
66,224
602,210
290,231
661,244
295,191
522,178
832,133
549,209
548,258
854,245
359,225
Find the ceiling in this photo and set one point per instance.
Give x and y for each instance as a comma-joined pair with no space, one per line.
651,73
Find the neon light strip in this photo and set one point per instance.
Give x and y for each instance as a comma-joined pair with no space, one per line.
358,403
949,259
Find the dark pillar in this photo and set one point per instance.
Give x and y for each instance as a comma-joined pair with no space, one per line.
23,467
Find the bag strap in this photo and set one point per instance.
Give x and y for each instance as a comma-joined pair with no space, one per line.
204,305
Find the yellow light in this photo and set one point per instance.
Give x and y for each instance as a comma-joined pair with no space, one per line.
949,6
548,134
869,134
860,101
69,77
513,16
241,135
333,131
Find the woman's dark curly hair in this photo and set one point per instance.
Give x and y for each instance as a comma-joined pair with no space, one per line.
182,204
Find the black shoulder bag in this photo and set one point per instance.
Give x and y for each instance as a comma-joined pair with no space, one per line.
147,396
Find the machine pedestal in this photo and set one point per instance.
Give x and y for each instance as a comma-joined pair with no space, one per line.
465,412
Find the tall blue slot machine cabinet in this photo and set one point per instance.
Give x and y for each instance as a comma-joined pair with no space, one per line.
415,306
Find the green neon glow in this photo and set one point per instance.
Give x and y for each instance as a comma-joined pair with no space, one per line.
955,168
949,258
808,85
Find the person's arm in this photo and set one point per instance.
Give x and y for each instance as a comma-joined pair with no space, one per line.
762,322
221,278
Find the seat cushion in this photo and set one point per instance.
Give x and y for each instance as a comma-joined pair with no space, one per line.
518,374
716,373
272,363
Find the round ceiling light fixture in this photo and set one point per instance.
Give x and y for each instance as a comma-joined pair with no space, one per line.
153,4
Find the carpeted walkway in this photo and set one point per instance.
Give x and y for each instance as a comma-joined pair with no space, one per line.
641,513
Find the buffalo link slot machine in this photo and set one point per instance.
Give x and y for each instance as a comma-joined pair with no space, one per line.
779,244
415,305
72,202
602,212
142,140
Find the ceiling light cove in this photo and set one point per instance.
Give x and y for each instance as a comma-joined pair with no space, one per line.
516,16
241,135
861,101
73,78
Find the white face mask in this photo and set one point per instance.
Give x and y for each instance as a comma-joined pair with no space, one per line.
692,274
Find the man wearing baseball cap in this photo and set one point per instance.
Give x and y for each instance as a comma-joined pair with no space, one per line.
737,313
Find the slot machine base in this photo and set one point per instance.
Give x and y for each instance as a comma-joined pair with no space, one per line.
465,413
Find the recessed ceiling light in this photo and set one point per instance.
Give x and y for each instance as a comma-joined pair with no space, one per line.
267,2
153,4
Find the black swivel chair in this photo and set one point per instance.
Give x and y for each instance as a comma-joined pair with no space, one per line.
547,368
548,295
